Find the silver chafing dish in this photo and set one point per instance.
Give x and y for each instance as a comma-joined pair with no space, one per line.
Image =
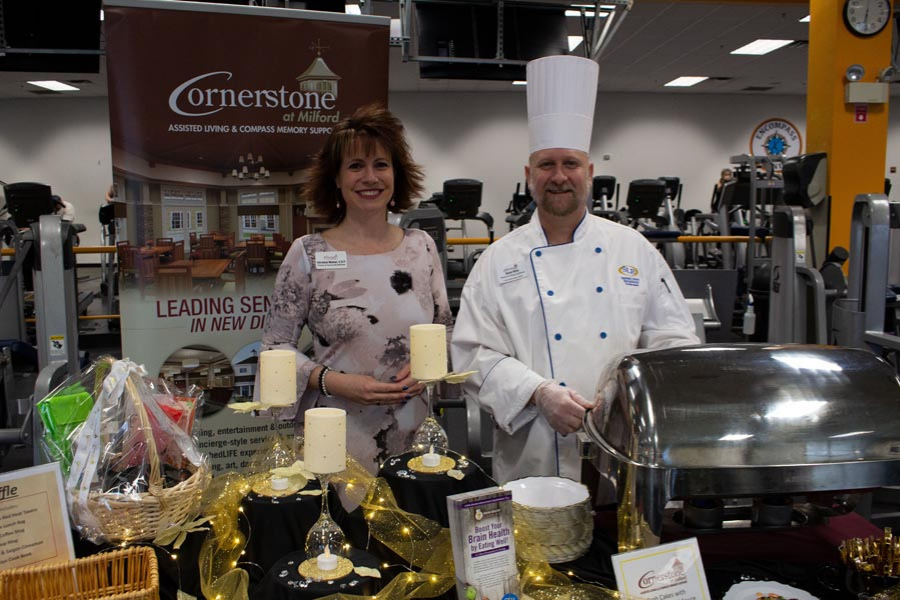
743,420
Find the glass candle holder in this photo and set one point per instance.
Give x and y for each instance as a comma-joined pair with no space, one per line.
430,436
325,533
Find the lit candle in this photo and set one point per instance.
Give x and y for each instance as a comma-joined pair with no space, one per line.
430,459
279,483
428,351
278,377
327,561
325,440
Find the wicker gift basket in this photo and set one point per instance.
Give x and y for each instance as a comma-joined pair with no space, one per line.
135,472
127,574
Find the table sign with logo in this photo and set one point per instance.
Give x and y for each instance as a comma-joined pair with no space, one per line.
671,571
34,521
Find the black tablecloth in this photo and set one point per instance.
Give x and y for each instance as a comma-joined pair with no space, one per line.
284,582
278,526
426,493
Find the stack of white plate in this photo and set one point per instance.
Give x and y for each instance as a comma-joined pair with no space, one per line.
553,518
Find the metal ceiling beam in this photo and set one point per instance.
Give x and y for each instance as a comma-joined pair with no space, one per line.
612,22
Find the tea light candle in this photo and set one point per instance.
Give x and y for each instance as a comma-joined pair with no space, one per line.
428,351
279,483
327,561
325,440
430,458
278,377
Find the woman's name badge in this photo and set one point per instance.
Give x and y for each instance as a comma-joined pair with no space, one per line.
331,260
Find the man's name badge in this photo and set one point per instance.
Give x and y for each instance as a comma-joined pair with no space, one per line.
331,260
671,571
510,273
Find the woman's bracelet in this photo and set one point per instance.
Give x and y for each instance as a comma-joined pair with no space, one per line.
322,389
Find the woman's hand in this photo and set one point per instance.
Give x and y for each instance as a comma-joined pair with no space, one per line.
403,376
368,390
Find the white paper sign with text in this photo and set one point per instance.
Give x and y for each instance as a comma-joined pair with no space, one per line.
672,571
34,520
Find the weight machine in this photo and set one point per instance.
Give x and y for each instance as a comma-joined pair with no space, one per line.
859,319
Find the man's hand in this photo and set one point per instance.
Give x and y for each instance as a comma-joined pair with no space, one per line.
563,408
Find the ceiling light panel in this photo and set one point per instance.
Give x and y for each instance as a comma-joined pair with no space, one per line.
56,86
686,81
588,13
762,46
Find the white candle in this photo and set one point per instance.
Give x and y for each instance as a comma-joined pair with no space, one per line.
327,561
428,351
325,440
279,483
430,459
278,377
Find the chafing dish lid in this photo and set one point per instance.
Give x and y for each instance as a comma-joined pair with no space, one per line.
750,405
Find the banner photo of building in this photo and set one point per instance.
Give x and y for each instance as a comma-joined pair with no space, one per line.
215,112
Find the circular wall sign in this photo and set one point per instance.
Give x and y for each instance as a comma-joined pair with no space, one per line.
776,136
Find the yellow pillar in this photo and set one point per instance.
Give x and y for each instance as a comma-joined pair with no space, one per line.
856,150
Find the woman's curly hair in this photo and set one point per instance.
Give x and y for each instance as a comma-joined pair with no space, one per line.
368,125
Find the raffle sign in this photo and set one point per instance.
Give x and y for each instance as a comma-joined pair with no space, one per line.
215,111
34,521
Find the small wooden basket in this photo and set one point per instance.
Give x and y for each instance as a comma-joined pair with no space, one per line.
128,574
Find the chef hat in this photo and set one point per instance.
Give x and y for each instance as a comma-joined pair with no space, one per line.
562,91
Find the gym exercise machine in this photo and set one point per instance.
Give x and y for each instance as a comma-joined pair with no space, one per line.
859,319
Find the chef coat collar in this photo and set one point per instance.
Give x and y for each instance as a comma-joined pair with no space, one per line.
580,229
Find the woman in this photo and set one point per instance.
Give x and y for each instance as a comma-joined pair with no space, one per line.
359,286
724,177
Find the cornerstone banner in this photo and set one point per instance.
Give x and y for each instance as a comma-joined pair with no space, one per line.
215,111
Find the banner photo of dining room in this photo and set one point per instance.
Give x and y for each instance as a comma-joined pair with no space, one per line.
215,111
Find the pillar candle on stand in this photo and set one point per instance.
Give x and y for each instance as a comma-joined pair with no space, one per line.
325,440
278,377
428,351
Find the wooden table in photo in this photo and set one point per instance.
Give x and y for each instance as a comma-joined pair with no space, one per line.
202,269
208,268
270,244
156,250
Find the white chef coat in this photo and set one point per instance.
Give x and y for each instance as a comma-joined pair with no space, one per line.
531,312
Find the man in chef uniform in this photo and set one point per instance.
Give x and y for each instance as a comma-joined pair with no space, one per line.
550,308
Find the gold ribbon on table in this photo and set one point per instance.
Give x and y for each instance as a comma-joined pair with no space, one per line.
421,542
221,551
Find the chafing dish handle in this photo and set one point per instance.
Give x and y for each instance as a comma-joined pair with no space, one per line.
594,434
